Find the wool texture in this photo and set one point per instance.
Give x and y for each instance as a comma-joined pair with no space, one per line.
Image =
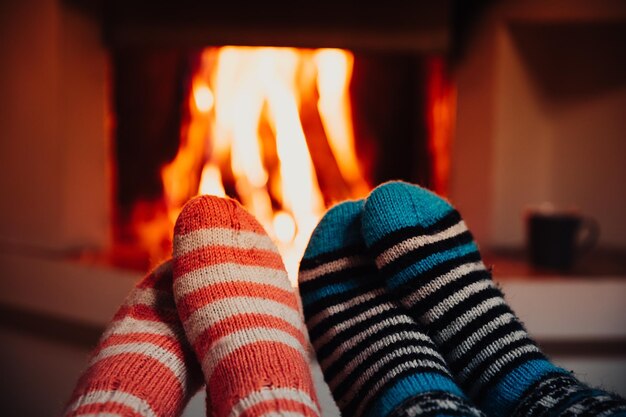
376,359
564,395
240,313
429,261
143,365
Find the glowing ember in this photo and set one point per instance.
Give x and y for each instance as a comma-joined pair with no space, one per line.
245,138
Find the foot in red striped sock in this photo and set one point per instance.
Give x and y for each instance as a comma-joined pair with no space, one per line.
143,365
240,313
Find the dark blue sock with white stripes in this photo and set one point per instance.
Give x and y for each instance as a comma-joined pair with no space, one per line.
431,264
377,361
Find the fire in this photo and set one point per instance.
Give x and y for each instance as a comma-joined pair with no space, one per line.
440,120
203,98
335,68
247,137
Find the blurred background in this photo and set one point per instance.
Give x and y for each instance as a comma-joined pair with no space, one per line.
115,113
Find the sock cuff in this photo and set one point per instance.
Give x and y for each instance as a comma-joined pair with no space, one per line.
436,403
267,399
502,398
409,387
560,393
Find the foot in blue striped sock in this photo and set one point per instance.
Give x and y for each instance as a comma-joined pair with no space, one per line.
376,359
430,262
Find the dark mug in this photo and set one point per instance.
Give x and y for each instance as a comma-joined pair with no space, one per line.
556,239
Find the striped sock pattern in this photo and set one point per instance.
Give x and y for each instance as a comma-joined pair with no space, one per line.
429,260
563,395
376,359
240,313
434,404
143,365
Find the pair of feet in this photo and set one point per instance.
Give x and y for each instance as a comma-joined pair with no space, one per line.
406,320
222,312
401,312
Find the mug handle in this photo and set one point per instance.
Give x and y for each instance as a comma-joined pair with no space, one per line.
588,235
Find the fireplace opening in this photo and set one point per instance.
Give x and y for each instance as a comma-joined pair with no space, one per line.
286,131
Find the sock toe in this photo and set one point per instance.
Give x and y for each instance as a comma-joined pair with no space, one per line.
213,230
208,211
339,228
396,205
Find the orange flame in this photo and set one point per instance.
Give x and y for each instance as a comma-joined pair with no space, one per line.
334,72
246,135
441,105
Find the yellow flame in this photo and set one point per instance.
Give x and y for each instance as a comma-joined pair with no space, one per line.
245,129
334,68
203,98
284,227
211,181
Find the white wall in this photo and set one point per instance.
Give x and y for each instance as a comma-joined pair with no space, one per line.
520,142
589,147
521,146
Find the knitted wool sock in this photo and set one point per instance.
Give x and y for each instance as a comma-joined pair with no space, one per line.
376,360
240,313
430,262
143,365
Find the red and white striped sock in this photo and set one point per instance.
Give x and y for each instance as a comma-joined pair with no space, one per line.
240,313
143,365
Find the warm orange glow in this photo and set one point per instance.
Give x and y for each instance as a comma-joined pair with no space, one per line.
211,181
334,68
284,227
441,103
246,135
180,177
203,98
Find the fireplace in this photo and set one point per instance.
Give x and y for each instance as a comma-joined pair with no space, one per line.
288,120
96,147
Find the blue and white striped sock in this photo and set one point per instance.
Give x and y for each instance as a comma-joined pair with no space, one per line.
430,262
376,359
